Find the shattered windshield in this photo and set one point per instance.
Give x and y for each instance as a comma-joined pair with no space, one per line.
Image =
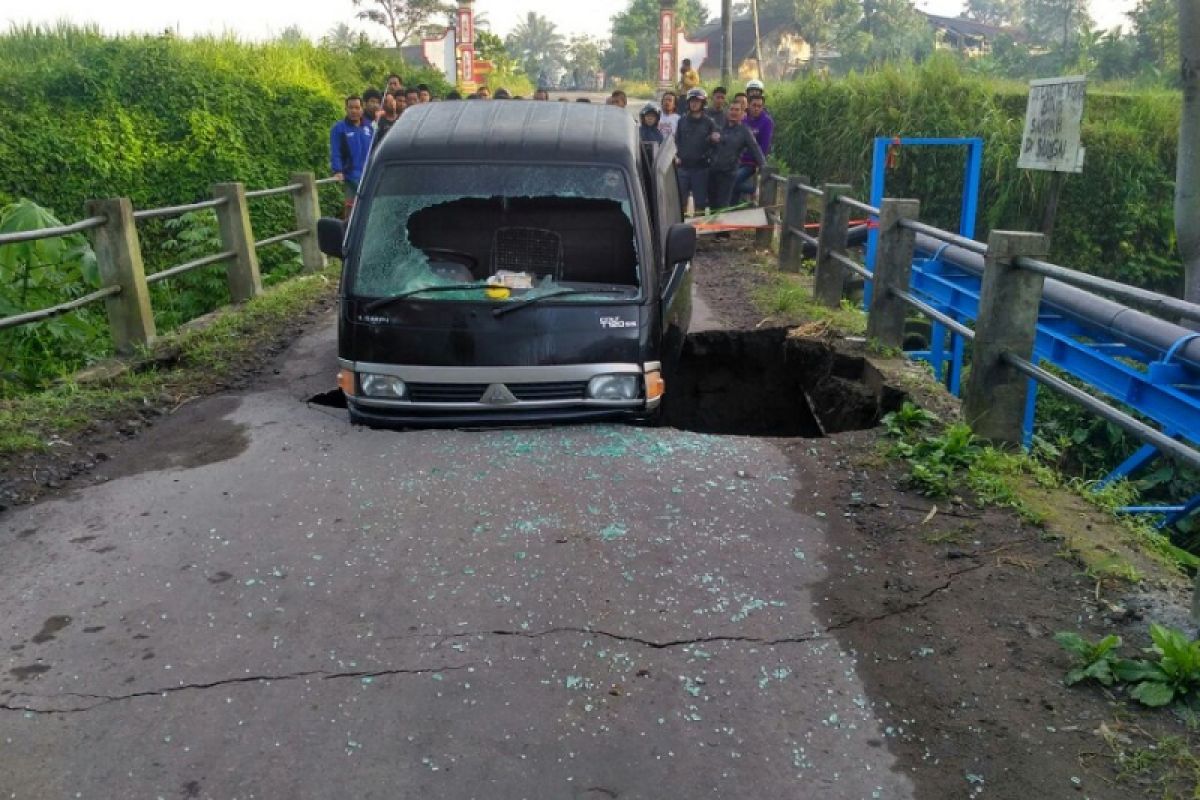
517,230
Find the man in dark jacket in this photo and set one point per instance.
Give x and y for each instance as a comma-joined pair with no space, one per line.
349,147
737,142
695,139
763,127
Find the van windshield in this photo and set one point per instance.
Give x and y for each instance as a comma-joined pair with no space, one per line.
532,229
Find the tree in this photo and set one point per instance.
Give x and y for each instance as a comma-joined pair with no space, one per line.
537,45
1156,32
1187,169
1001,13
1057,22
402,18
292,34
585,57
823,22
341,38
634,48
890,30
490,48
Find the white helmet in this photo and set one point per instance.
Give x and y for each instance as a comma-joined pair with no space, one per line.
753,85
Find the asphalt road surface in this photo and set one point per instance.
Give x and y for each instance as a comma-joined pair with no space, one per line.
263,602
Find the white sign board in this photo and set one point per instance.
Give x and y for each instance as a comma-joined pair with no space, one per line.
1052,121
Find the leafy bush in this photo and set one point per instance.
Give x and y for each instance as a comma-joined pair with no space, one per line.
40,274
159,120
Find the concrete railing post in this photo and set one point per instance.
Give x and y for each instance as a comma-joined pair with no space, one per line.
835,229
119,256
893,267
308,211
994,405
237,236
795,214
768,191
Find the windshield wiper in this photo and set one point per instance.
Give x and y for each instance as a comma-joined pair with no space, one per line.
528,301
374,305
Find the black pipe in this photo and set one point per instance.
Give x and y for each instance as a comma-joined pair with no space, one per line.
1132,327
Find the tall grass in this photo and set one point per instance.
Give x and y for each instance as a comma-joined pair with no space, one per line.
1115,218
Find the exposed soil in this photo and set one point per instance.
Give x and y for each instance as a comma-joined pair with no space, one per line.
952,615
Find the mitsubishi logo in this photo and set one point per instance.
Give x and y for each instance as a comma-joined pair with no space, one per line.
498,395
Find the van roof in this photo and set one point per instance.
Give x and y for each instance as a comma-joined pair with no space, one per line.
513,130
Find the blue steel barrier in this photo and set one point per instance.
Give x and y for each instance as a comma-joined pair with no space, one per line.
1142,377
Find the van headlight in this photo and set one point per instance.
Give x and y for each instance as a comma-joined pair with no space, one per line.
614,387
375,385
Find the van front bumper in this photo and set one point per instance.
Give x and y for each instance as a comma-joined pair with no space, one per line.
456,396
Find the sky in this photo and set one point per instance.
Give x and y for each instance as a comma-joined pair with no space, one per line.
262,19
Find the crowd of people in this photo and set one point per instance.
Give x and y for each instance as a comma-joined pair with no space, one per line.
720,146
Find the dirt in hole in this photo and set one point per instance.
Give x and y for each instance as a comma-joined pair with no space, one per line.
771,382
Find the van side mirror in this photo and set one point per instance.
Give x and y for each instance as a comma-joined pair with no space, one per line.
681,244
330,235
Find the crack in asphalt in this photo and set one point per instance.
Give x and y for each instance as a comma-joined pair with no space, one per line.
650,642
105,699
326,676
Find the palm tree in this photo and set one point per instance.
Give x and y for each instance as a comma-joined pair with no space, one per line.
537,45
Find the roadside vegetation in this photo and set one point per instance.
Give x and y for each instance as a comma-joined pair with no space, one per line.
178,368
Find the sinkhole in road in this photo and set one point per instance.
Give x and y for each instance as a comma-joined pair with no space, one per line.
773,382
768,382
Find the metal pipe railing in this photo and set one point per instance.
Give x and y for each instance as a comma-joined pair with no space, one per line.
1153,301
945,236
50,233
283,237
931,312
858,205
30,317
188,266
852,265
1140,430
291,187
175,211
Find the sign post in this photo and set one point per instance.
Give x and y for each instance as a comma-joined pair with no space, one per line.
1051,141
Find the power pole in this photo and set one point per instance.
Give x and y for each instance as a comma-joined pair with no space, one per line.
727,65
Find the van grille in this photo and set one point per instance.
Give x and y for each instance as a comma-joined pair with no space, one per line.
563,390
472,392
446,392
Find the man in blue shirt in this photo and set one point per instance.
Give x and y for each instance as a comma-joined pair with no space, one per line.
349,147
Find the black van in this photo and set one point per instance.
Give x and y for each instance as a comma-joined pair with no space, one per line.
512,261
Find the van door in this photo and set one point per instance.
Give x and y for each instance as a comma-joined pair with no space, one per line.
677,311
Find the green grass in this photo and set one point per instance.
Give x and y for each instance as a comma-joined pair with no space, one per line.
200,359
790,298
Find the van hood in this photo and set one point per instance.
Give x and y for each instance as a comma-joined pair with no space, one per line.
457,334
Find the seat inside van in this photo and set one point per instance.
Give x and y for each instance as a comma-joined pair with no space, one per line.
568,239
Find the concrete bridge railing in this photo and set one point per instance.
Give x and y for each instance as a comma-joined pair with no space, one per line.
112,227
996,398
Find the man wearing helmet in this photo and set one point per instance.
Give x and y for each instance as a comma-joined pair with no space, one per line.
695,139
649,116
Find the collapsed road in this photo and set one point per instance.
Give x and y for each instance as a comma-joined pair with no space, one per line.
259,600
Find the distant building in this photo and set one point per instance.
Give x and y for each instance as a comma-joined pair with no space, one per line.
972,39
784,50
